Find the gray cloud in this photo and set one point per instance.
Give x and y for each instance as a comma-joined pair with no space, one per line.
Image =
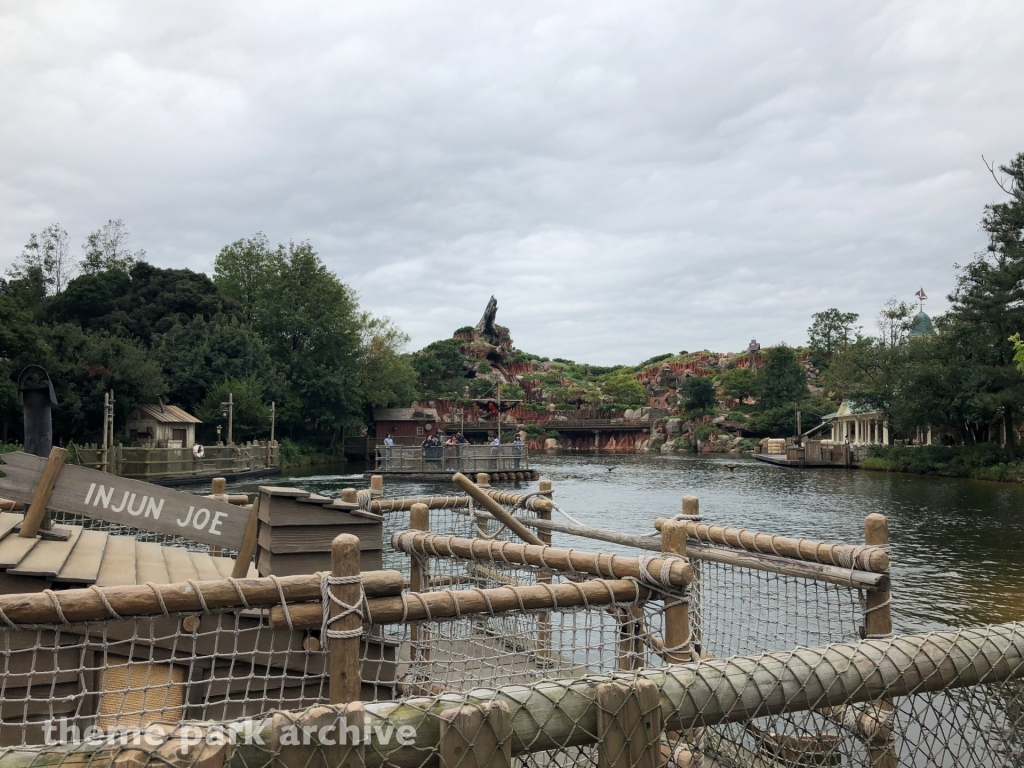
627,179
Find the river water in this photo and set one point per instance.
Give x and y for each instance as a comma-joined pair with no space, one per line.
957,545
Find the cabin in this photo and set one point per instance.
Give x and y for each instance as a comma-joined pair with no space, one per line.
408,426
162,426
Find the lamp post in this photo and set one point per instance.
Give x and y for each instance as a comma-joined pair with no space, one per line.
273,412
228,409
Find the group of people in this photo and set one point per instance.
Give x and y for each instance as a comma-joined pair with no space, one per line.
432,446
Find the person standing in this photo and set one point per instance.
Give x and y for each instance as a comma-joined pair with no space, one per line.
389,447
517,450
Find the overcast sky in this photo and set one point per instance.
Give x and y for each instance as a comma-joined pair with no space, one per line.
626,178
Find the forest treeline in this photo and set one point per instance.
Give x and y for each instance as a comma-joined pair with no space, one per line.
273,324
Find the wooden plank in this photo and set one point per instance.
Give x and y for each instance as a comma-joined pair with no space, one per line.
204,566
477,737
13,550
47,558
629,725
83,565
224,565
247,549
7,522
301,539
42,493
118,566
291,511
102,496
179,565
149,563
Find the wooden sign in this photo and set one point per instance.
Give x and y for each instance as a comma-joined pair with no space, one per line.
95,494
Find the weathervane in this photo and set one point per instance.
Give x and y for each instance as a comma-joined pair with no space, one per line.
921,296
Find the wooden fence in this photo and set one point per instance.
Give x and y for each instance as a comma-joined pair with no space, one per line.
146,463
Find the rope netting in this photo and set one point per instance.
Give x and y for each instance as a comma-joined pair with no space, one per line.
738,611
941,699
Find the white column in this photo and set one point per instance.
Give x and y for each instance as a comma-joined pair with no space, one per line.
885,432
929,435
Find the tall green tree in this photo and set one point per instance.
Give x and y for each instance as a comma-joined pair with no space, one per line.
46,257
987,306
699,393
311,325
386,375
894,322
250,409
830,331
740,383
107,248
781,378
199,354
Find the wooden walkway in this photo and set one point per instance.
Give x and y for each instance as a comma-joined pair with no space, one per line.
96,557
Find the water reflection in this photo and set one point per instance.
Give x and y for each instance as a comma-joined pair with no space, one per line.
956,544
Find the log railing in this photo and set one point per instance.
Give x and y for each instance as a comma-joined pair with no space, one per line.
563,714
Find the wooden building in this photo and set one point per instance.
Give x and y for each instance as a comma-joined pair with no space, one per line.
407,426
162,426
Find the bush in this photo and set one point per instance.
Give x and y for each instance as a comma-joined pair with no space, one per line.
295,454
465,329
985,460
704,431
748,444
682,444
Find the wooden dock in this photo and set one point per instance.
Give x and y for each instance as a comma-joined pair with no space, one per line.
813,453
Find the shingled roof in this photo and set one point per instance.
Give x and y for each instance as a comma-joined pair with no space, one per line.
168,414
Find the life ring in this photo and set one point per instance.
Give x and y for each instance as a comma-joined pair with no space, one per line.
197,451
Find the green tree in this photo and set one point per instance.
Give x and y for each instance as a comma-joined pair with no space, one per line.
46,257
311,325
250,411
439,370
107,248
624,390
830,330
781,378
740,383
699,393
198,354
987,305
21,344
386,375
894,322
868,373
85,365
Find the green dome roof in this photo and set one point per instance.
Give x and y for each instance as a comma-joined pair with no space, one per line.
922,325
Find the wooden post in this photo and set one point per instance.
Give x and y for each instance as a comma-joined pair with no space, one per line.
544,577
483,479
476,736
344,652
349,496
677,614
377,486
219,489
36,515
495,509
419,581
629,725
691,507
248,547
878,624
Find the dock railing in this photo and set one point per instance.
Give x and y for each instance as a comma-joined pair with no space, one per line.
452,458
957,697
145,463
